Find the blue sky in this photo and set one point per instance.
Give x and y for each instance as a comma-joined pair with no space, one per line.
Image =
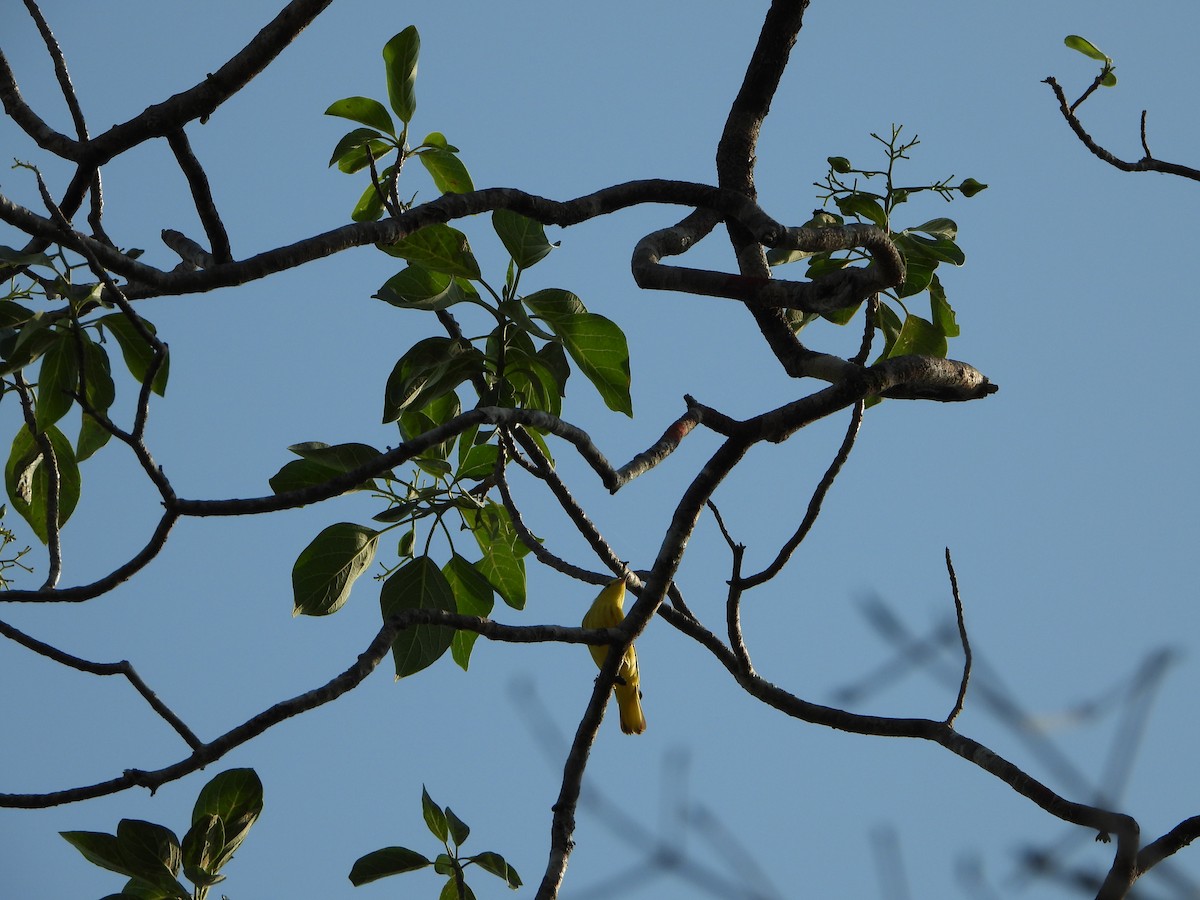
1067,498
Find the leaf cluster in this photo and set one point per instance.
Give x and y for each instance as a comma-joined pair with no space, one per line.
153,858
521,358
924,247
451,863
54,361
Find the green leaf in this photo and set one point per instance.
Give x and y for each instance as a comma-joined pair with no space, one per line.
864,206
99,849
370,206
303,473
448,172
497,865
777,257
940,227
28,485
22,346
400,61
388,861
418,584
942,311
435,818
523,238
202,847
10,258
350,154
235,797
365,111
919,336
416,422
101,392
339,458
416,287
152,854
940,249
138,352
1086,47
438,247
502,563
431,368
58,378
459,830
473,596
1108,79
327,568
839,164
452,890
596,344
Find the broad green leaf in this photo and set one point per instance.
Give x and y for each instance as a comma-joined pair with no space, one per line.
502,563
438,247
152,853
99,849
448,172
918,272
21,346
459,830
388,861
523,238
369,207
58,379
435,818
400,61
940,249
28,485
138,353
473,596
863,206
10,258
940,227
941,310
776,257
416,287
1108,79
327,568
202,847
822,264
1086,47
451,890
438,140
350,154
13,314
303,473
431,368
365,111
235,797
418,584
476,462
101,392
416,422
596,344
497,865
340,458
919,336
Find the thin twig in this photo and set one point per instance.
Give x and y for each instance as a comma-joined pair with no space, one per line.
966,644
814,503
123,668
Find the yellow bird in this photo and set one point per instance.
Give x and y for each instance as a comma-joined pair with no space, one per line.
608,612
